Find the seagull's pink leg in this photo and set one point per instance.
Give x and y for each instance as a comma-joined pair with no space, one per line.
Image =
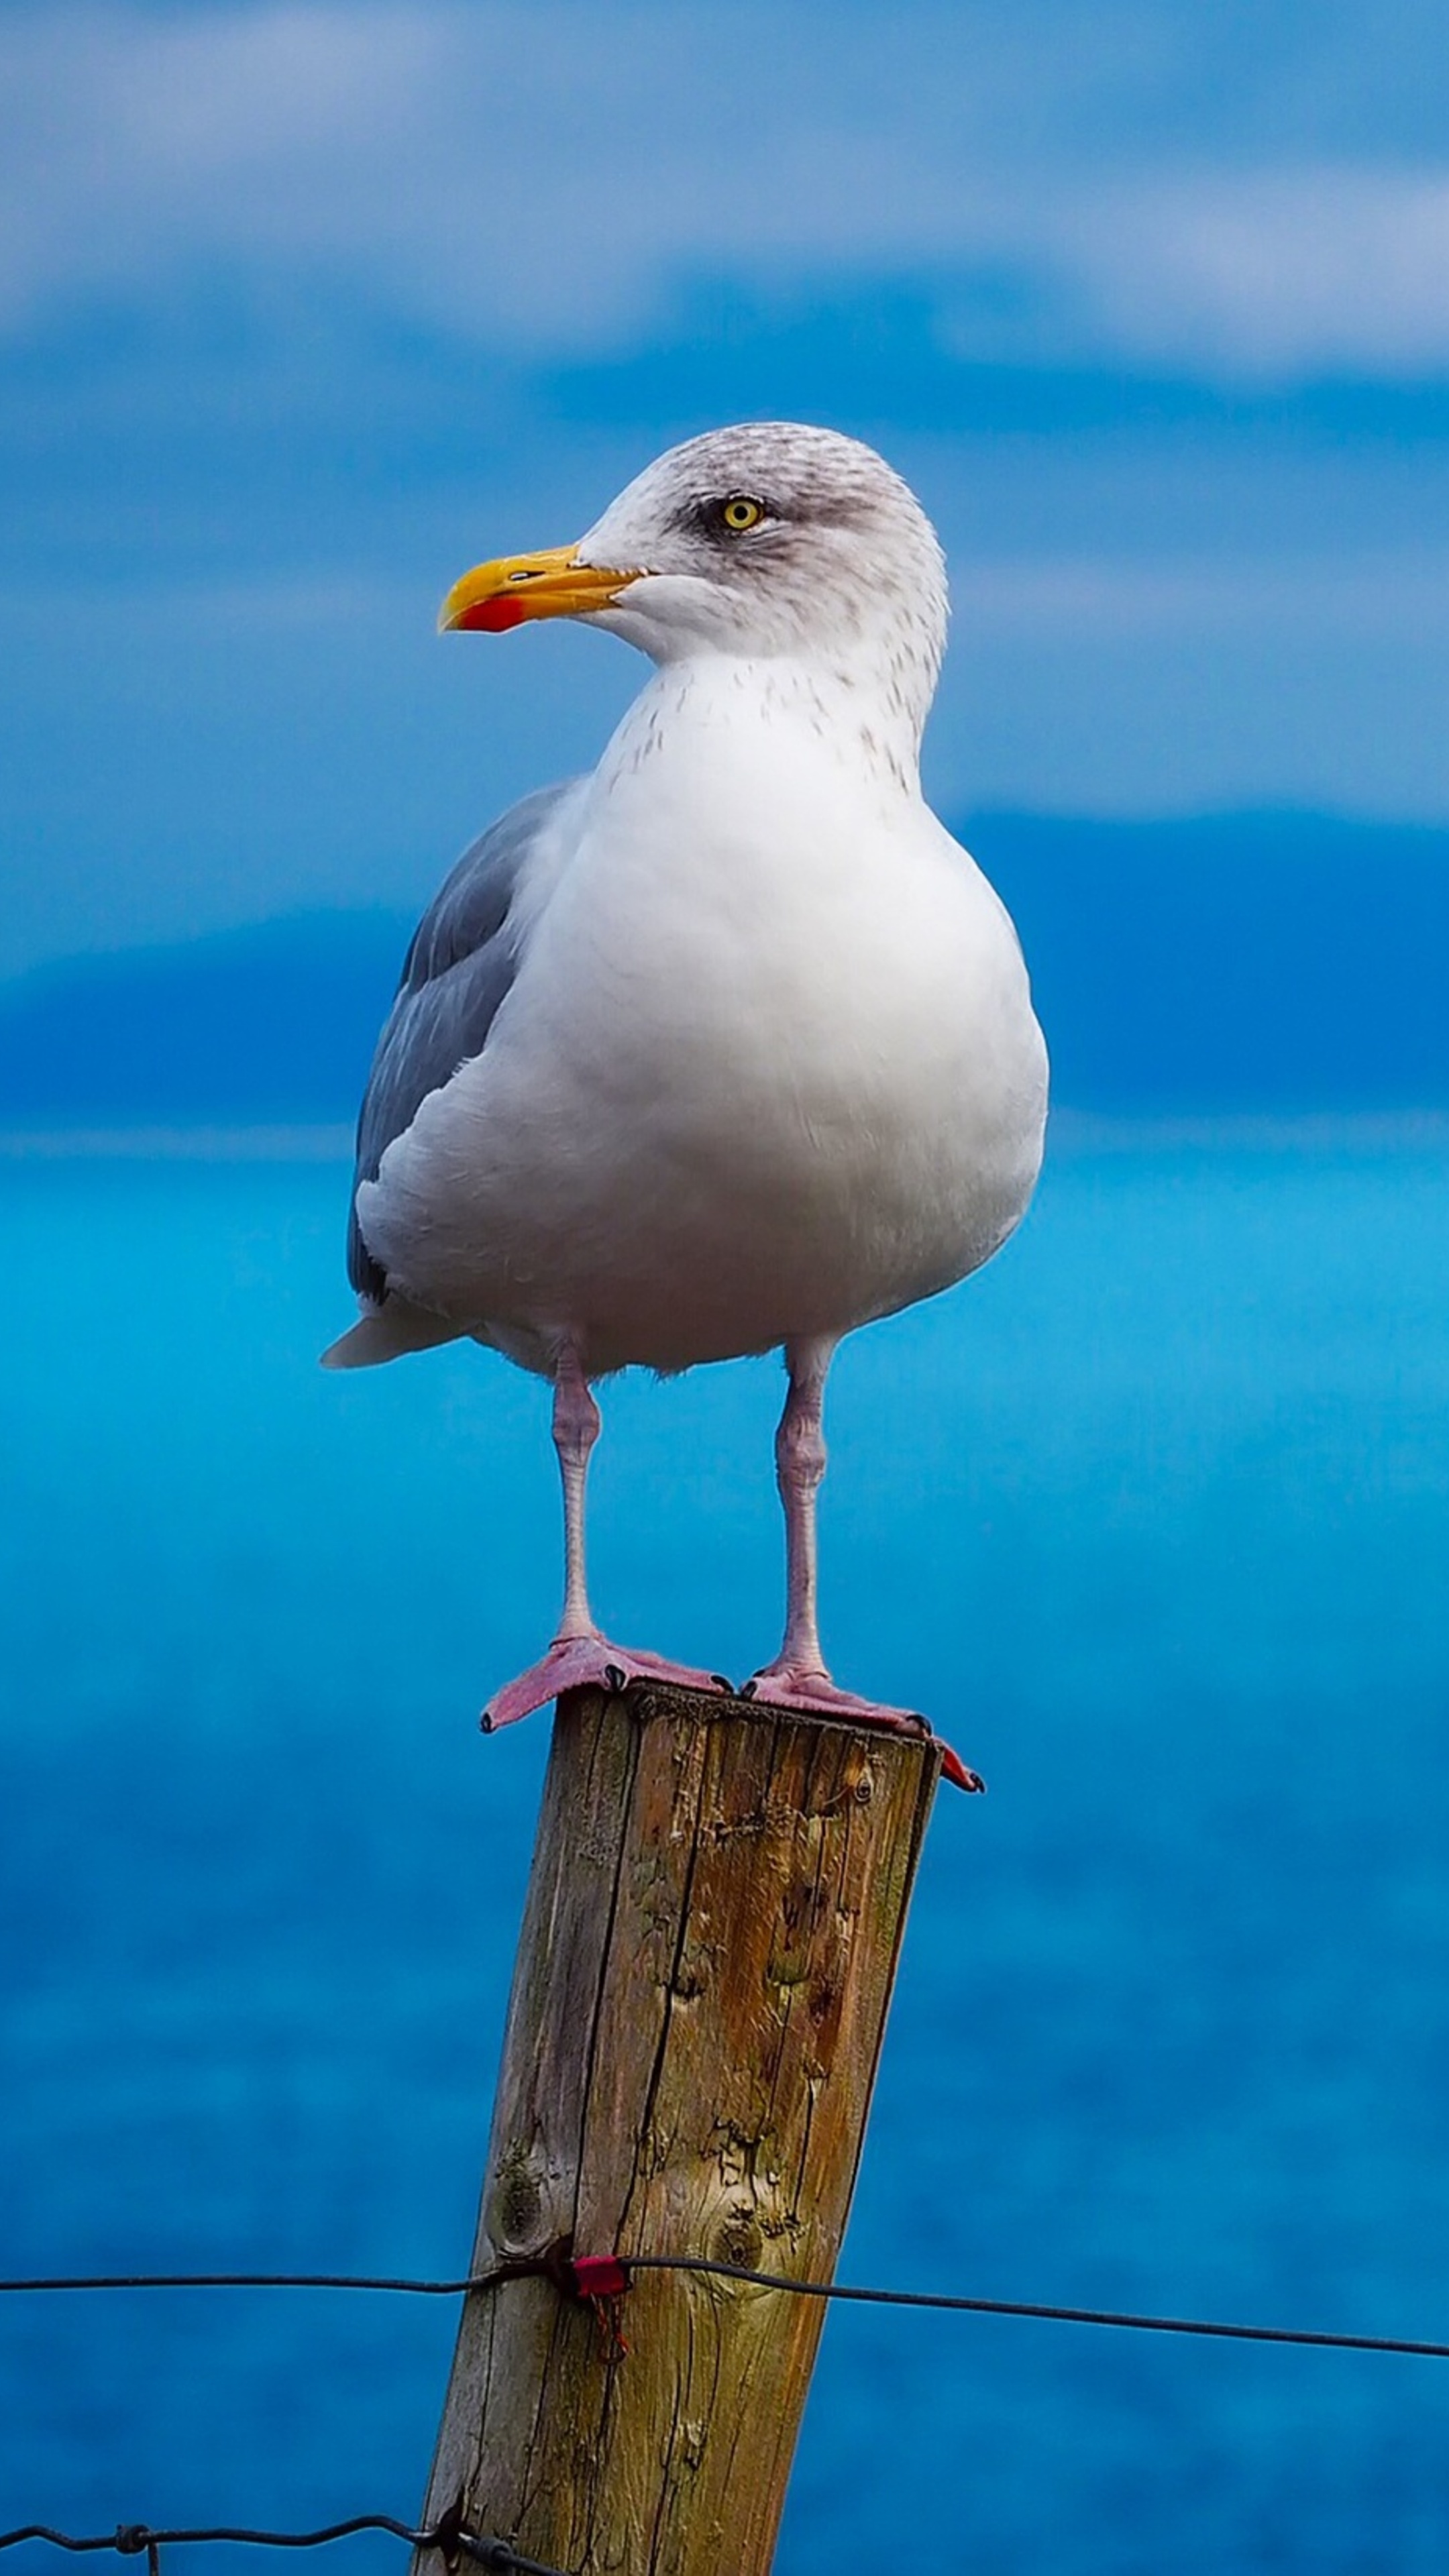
798,1677
576,1426
800,1471
580,1654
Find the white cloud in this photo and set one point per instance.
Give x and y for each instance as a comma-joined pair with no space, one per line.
1276,271
549,171
1369,597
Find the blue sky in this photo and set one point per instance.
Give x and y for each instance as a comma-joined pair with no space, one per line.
303,307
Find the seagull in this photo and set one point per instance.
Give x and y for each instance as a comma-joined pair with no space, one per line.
727,1047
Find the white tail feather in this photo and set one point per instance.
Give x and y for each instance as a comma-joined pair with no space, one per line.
387,1333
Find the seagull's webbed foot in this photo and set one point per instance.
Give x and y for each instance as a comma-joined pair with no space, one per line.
811,1690
581,1663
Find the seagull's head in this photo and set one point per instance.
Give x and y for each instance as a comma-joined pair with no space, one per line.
768,540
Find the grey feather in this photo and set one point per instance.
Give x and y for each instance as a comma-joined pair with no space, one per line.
462,961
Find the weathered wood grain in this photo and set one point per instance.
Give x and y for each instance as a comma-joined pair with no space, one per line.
708,1948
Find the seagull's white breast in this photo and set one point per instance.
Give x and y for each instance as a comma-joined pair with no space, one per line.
769,1067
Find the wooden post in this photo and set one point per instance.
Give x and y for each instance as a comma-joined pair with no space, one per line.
708,1949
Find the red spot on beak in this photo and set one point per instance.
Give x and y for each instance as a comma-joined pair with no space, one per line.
491,616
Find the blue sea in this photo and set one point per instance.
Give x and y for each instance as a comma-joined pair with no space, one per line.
1153,1518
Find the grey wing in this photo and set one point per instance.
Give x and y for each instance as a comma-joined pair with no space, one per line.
463,959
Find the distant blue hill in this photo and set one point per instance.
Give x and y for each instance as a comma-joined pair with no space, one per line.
1275,963
253,1027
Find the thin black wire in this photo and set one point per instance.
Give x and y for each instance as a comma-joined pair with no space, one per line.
1055,2315
133,2538
1027,2308
265,2281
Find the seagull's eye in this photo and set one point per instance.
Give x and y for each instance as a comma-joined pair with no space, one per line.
741,512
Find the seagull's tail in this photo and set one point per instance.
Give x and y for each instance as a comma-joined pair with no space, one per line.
386,1332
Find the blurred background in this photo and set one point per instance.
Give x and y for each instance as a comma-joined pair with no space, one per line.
304,308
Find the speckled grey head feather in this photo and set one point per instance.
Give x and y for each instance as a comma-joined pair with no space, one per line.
805,475
845,566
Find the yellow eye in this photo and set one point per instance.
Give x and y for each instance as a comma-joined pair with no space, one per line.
740,513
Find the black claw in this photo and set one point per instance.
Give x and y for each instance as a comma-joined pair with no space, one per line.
746,1690
485,1722
614,1676
722,1682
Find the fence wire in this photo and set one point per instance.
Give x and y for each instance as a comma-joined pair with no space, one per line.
137,2539
572,2275
600,2281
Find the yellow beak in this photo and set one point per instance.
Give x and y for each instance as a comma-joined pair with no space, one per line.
494,596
